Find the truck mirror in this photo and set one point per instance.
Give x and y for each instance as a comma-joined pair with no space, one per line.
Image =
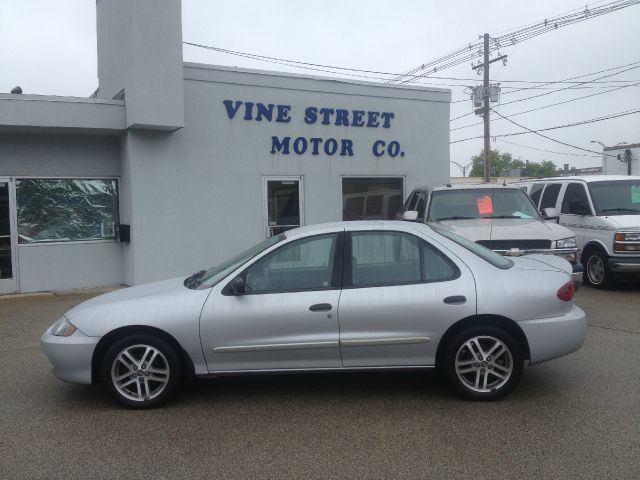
410,215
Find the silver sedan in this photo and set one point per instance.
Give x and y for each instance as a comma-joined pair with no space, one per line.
333,297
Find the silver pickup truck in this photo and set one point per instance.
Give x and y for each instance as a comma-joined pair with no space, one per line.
500,217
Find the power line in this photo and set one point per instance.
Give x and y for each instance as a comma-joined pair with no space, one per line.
517,36
551,105
546,151
575,124
536,132
632,64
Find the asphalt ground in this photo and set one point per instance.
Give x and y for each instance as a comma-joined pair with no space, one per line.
574,417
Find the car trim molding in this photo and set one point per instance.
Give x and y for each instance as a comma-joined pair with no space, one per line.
383,341
274,346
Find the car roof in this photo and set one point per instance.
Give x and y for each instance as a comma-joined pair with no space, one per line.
356,225
465,186
583,178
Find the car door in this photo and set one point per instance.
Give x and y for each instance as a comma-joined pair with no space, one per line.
400,294
576,211
286,319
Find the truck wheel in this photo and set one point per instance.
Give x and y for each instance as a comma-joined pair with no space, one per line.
596,269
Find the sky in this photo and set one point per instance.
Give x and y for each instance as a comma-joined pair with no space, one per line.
49,47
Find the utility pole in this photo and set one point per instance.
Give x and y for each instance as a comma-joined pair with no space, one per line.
486,110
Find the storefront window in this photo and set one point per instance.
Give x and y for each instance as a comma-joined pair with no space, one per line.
66,210
371,198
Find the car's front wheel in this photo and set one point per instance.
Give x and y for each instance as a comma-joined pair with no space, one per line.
141,371
483,363
596,269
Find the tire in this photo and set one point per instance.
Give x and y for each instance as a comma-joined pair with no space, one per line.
141,371
596,269
468,370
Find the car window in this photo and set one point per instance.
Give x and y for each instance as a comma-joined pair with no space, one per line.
422,205
535,192
208,278
383,258
617,197
410,201
305,264
575,194
474,203
550,196
393,258
437,267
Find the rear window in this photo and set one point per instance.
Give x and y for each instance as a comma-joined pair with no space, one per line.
487,255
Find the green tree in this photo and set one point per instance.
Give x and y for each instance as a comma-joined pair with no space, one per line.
502,163
544,169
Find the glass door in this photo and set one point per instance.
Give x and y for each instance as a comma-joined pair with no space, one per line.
8,277
283,204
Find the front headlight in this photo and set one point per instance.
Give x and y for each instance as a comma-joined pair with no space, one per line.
628,237
627,242
566,243
62,328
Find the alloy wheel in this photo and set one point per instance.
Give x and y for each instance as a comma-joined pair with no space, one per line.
140,372
484,364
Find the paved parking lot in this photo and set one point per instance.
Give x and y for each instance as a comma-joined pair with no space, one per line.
575,417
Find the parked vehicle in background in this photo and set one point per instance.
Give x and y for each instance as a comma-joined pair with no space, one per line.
604,213
499,217
335,297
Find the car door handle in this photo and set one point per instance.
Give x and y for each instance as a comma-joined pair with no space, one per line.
455,300
320,307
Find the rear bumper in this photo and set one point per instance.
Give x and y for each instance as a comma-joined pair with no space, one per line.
554,337
624,265
71,356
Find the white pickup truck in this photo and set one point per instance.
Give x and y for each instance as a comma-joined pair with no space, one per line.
604,213
499,217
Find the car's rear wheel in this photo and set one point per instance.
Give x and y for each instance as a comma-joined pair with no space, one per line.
483,363
596,269
141,371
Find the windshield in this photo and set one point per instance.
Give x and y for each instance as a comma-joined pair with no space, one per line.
488,255
474,203
213,275
619,197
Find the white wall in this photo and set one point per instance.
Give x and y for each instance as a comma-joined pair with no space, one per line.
60,267
196,194
63,266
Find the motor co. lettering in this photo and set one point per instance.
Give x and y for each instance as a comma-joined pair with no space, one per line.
339,117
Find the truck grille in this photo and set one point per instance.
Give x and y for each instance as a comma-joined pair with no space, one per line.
520,244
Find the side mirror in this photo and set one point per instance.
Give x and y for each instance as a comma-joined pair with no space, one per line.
237,286
410,215
578,208
550,213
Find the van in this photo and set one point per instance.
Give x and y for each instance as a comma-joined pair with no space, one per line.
604,213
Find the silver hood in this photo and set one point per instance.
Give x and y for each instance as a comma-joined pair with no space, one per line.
506,229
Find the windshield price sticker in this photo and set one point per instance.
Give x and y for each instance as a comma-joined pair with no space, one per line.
635,193
485,205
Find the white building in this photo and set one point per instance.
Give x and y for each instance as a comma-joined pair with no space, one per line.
171,167
621,159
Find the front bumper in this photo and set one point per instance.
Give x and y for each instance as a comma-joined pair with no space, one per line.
70,356
554,337
624,265
577,275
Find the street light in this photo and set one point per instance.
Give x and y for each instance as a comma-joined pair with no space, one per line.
463,167
597,141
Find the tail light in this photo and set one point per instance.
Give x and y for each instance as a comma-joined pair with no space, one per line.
567,291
